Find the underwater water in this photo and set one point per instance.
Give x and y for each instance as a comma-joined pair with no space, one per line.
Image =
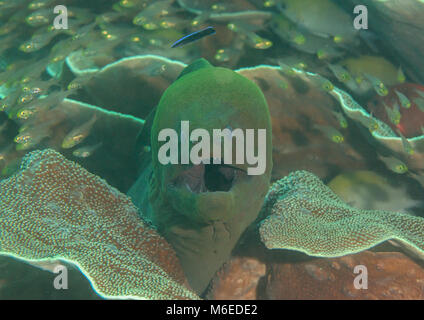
186,149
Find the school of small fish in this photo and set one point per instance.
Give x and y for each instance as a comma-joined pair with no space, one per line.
36,59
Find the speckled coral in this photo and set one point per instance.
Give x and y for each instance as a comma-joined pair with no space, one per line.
305,215
55,209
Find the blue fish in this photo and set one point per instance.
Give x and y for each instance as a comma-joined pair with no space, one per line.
194,37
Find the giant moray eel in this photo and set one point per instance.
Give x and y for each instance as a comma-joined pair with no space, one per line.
202,210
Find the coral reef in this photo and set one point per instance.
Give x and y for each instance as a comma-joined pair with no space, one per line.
54,209
305,215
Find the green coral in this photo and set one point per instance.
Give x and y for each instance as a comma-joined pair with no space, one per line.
305,215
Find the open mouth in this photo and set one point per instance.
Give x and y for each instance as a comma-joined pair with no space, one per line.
207,178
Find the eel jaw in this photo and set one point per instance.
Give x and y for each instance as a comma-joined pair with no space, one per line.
207,178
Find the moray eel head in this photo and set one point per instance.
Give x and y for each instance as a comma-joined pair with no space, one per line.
203,208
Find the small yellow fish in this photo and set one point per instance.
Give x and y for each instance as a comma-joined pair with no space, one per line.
328,53
31,137
200,18
226,54
394,164
9,102
29,95
338,39
378,85
83,32
258,42
77,135
36,106
47,101
400,75
25,98
298,38
373,125
340,73
37,42
29,46
247,30
219,7
222,55
148,17
323,83
78,83
332,133
406,145
285,69
86,151
370,122
127,3
109,35
38,4
342,120
39,17
170,22
26,113
109,17
23,137
269,3
393,114
404,101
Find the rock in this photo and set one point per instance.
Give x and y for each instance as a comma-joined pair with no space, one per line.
391,275
238,279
